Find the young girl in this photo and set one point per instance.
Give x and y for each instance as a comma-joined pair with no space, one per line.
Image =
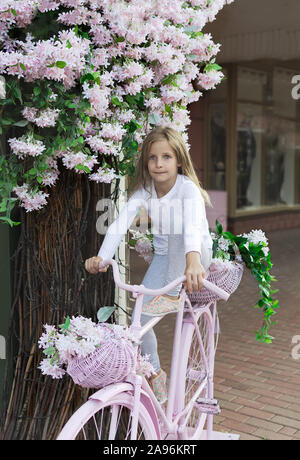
167,186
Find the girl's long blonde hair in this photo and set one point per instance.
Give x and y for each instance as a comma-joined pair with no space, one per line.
142,177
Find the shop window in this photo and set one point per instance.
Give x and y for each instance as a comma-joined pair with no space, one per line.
267,133
266,139
250,137
216,164
249,154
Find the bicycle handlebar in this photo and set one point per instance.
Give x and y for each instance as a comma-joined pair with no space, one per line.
140,289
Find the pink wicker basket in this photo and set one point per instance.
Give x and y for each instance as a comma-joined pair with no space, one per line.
226,275
110,363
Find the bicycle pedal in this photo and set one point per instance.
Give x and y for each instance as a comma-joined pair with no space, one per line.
208,406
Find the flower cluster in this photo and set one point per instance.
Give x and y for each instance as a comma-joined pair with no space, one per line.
252,250
226,248
112,71
79,337
143,244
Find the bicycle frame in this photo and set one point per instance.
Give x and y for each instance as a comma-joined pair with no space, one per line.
170,419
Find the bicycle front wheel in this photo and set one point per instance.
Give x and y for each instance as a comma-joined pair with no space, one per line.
108,421
196,371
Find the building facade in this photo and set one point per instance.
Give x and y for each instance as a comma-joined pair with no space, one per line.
245,134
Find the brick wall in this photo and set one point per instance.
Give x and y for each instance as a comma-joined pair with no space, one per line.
267,222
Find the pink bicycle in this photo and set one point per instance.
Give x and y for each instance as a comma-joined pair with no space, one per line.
130,410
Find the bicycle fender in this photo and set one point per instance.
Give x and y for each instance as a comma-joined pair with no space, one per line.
146,401
105,394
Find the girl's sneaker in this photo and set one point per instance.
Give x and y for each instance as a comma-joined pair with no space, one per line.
160,306
158,384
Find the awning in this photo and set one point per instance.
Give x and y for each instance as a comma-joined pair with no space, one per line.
257,29
270,44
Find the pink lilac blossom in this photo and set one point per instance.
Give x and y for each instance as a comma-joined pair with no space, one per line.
98,98
26,145
25,10
29,200
44,118
48,5
71,160
103,175
143,245
112,131
106,147
50,177
209,80
155,38
144,367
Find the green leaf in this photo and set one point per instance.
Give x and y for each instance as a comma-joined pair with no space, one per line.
60,64
219,227
115,100
154,119
50,351
104,313
21,123
229,236
87,77
9,221
14,12
119,39
67,324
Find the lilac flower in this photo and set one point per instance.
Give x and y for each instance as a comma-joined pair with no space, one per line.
71,160
26,145
28,199
54,370
103,175
141,43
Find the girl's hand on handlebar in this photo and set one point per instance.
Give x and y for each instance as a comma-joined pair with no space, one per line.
194,272
92,265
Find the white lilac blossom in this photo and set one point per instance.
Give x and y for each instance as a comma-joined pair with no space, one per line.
258,237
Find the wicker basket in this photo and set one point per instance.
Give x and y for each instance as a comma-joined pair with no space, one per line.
110,363
226,275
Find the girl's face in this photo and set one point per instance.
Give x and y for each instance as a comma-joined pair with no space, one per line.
162,163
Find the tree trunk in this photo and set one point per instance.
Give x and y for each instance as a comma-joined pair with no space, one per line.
50,282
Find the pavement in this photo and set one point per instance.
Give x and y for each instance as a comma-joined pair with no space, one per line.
257,384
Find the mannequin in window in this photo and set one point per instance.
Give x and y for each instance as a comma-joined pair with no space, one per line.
274,169
218,149
246,153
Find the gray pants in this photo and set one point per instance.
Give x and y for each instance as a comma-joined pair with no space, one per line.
163,270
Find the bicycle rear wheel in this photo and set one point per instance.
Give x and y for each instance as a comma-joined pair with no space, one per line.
108,421
196,371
